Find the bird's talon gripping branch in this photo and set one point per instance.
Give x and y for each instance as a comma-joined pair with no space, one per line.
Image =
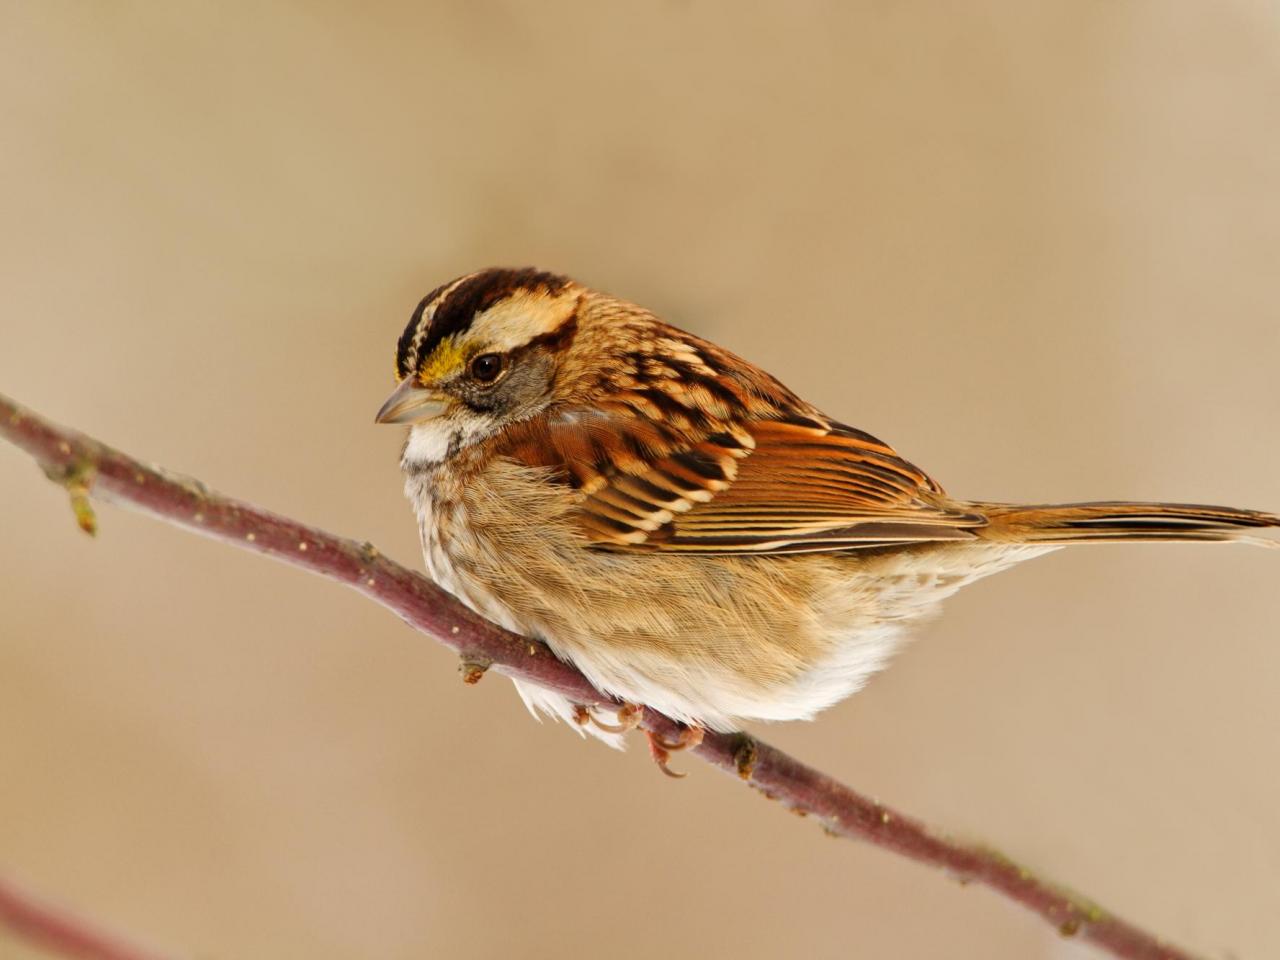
689,738
661,749
662,756
628,718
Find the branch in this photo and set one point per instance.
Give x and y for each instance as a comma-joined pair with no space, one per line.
55,929
87,468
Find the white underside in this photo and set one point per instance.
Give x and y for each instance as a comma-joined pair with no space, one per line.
847,618
912,594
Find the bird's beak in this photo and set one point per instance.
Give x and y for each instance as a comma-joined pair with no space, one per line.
409,403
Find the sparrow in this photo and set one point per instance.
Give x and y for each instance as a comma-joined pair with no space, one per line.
676,523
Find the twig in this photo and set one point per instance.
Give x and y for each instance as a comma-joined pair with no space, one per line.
53,928
89,468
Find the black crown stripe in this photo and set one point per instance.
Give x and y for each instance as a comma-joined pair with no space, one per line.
455,313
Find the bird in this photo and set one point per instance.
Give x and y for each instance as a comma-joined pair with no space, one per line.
679,525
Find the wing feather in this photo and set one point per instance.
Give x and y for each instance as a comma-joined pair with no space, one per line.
784,482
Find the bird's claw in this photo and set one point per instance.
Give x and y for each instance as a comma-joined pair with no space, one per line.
661,749
628,716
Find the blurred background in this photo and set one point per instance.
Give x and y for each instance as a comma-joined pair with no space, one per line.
1031,245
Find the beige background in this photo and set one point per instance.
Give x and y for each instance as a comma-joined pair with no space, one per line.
1033,245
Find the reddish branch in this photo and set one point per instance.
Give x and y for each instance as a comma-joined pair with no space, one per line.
89,468
55,929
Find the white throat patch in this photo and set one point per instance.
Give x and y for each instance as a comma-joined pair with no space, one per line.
429,442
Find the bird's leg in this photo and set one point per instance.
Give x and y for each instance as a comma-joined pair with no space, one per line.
628,717
661,749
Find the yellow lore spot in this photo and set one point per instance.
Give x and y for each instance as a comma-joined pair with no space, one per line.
446,360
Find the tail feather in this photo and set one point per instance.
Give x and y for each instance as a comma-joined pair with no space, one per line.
1121,521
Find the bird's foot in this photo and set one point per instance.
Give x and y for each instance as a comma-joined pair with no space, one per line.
661,749
628,718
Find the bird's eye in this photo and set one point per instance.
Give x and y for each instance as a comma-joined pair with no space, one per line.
486,367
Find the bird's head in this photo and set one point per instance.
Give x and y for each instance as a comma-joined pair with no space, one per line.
480,352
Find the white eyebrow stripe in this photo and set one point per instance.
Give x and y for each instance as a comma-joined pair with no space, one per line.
520,319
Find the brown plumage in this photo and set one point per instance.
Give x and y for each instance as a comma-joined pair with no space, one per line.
675,521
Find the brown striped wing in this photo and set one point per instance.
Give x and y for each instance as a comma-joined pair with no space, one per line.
769,486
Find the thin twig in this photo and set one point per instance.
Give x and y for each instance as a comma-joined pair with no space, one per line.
89,468
60,931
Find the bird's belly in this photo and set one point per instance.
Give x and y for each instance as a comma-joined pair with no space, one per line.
708,640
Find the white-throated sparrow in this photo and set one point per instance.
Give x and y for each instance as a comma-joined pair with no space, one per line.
674,521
